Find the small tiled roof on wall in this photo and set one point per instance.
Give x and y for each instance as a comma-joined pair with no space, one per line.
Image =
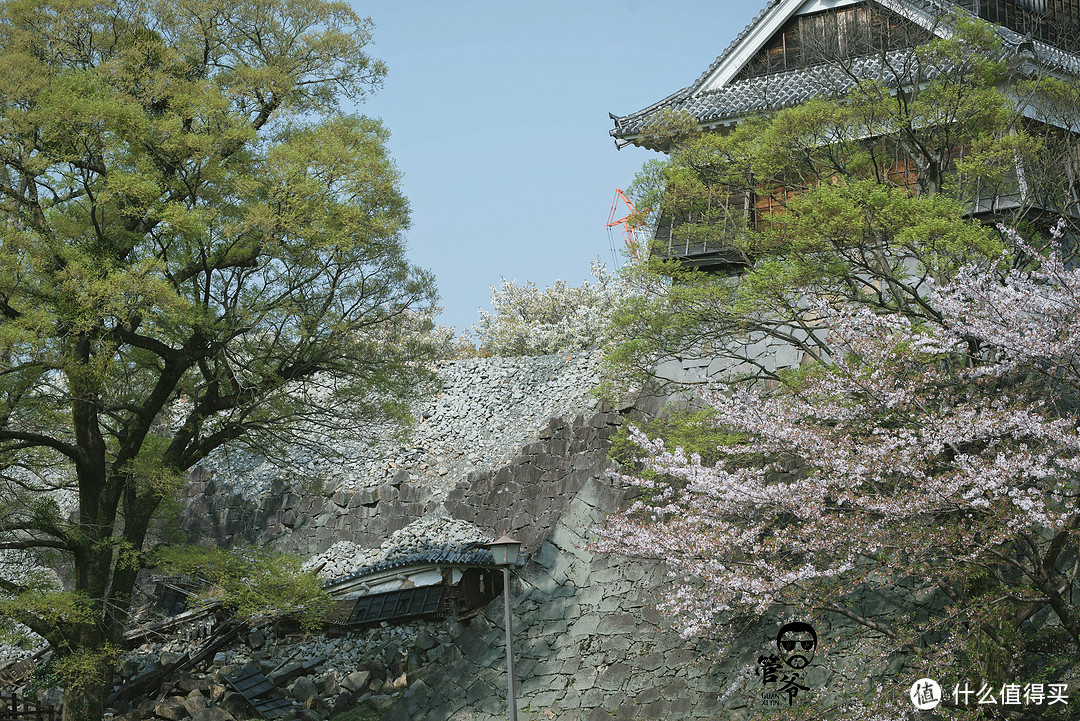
731,101
467,555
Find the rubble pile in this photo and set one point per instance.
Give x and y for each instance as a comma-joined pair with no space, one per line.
484,411
431,531
321,676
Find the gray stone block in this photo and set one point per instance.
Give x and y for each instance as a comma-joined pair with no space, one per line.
599,714
620,643
586,625
614,677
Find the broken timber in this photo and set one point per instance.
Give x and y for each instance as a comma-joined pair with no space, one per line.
198,623
224,635
262,692
257,690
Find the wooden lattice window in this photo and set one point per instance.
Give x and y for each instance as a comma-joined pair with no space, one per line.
814,38
1055,21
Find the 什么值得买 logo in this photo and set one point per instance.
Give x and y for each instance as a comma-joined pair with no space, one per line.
926,694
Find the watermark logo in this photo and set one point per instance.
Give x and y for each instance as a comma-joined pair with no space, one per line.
797,642
925,694
1012,694
781,672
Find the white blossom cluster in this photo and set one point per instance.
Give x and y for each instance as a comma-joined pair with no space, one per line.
938,451
526,320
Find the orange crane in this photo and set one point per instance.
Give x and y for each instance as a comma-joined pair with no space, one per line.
630,222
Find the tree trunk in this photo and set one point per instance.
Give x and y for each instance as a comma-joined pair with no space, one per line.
88,682
87,659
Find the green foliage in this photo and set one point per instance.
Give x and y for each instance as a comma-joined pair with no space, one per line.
44,676
251,581
692,429
363,712
84,669
40,601
668,126
198,246
862,200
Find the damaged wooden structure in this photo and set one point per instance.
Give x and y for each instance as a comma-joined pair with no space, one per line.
435,583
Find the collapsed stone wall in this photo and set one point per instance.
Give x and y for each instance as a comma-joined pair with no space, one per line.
589,641
517,420
590,638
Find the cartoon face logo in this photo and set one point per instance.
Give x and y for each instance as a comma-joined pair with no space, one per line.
796,642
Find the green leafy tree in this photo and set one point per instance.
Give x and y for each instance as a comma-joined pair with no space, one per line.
198,246
253,582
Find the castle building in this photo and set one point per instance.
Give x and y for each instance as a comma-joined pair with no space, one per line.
798,50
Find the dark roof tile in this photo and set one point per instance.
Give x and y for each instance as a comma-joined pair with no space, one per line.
469,554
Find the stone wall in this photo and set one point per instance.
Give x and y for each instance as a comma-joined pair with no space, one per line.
761,352
589,642
503,446
529,495
525,497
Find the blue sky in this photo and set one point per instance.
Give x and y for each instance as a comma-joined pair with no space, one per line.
498,115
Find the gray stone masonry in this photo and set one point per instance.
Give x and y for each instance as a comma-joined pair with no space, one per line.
519,476
589,642
526,496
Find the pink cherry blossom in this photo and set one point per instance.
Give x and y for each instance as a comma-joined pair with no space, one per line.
935,451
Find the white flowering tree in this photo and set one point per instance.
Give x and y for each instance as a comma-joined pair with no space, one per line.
526,320
939,453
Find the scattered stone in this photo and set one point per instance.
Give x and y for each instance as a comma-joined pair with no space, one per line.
167,658
425,641
356,681
342,703
256,640
329,687
303,689
485,410
195,702
235,704
172,708
286,673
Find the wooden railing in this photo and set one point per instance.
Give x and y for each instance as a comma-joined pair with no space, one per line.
18,709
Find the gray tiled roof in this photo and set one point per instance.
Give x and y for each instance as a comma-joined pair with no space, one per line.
467,555
747,96
760,94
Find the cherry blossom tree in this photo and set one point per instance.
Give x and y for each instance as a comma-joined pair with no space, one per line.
526,320
941,452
